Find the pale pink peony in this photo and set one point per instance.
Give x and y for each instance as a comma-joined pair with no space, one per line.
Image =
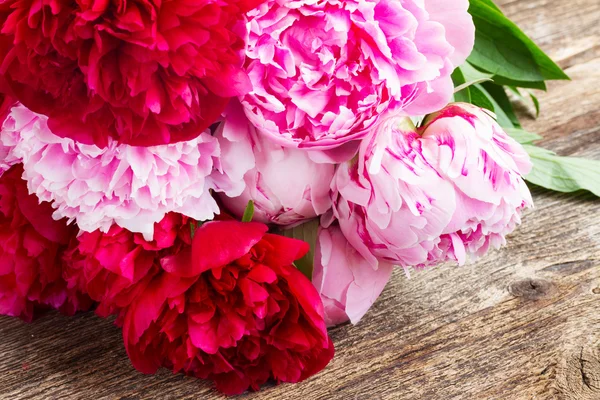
287,187
7,157
133,187
347,283
390,202
468,148
322,71
449,190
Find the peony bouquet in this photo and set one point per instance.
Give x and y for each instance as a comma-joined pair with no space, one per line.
229,178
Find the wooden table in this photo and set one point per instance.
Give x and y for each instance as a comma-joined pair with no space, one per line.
523,323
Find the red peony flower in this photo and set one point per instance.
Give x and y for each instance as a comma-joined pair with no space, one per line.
230,307
114,267
31,243
233,309
142,72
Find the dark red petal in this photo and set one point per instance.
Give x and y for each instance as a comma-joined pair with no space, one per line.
230,82
148,305
147,362
179,264
204,335
285,250
232,383
320,360
253,292
307,296
219,243
39,214
262,274
6,103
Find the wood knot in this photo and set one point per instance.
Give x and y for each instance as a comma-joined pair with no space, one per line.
532,289
579,374
596,290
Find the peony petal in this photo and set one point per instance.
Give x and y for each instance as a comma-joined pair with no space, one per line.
348,284
134,187
284,250
149,75
219,243
322,74
277,198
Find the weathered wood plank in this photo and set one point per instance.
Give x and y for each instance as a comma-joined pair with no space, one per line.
523,323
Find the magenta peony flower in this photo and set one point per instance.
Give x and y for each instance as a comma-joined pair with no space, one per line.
323,71
347,283
133,187
391,204
468,148
287,187
141,72
31,245
454,188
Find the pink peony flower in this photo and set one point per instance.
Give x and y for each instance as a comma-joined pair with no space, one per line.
133,187
141,72
31,244
347,283
391,204
287,187
468,148
323,71
7,158
451,189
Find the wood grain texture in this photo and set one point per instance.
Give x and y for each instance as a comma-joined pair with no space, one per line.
523,323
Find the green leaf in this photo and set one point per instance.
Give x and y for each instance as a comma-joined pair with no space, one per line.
481,99
459,79
503,119
501,48
308,233
522,136
471,73
464,96
534,100
468,92
192,228
490,3
502,101
248,212
464,78
540,85
466,85
563,174
536,104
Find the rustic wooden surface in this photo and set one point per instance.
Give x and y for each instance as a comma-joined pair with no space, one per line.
523,323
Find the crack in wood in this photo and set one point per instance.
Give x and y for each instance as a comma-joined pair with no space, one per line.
585,379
